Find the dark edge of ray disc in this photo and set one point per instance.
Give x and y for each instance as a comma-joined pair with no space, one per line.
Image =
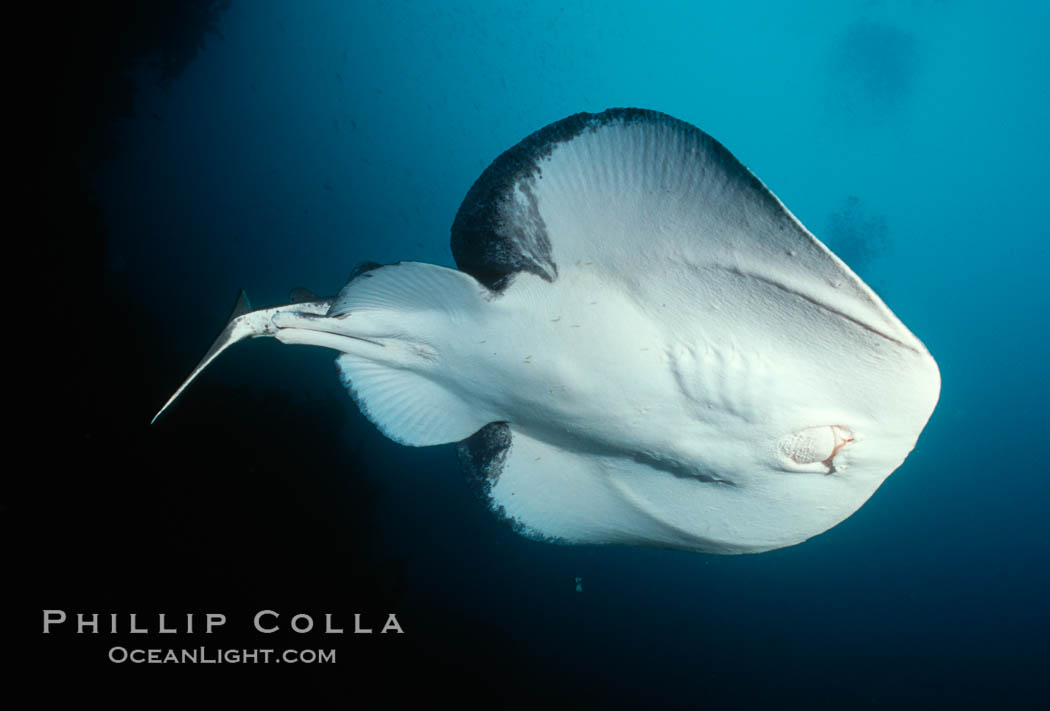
494,237
482,457
483,454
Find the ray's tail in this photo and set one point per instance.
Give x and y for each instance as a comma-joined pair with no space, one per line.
391,326
244,323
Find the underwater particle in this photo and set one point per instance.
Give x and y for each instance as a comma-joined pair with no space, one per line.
579,584
856,236
873,67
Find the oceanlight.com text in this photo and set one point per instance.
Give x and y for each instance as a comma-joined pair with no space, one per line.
204,655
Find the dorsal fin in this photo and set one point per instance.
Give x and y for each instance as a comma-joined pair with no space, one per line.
300,295
241,306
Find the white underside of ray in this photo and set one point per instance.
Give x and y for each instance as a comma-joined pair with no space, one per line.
631,429
626,427
635,205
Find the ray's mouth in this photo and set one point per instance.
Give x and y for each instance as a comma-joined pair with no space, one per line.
814,449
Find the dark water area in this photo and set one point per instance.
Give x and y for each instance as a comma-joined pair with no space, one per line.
195,148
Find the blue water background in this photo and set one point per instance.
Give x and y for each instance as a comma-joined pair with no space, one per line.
315,135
